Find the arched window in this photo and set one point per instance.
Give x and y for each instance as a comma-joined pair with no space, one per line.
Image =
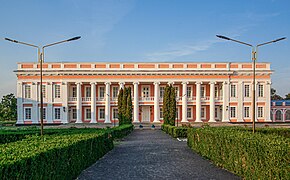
278,115
287,116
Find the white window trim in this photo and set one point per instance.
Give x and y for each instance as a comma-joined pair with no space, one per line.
117,87
191,113
177,93
87,87
99,92
263,112
235,112
160,91
28,94
245,90
72,116
204,117
162,113
249,112
44,110
204,91
60,114
262,90
99,113
142,90
113,113
54,91
85,114
231,94
191,92
25,113
71,91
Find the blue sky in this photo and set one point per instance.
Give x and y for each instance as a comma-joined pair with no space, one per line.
145,31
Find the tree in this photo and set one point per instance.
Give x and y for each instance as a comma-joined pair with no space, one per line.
8,107
124,105
166,105
120,106
129,107
287,96
172,106
275,96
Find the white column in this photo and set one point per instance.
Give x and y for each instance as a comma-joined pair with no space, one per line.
93,102
64,95
136,103
240,108
122,85
20,118
267,109
226,96
156,102
212,103
107,103
79,102
35,109
184,102
198,103
49,109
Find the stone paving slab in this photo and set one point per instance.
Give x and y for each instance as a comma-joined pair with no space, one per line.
152,154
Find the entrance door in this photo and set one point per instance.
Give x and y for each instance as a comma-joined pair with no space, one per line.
145,113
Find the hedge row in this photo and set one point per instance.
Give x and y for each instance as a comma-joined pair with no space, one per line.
121,131
252,156
174,131
7,136
55,156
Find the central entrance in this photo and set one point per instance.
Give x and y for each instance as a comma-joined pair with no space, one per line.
145,113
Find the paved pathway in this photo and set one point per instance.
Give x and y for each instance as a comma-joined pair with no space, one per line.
152,154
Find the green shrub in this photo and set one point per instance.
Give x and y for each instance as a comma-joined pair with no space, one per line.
57,156
174,131
252,156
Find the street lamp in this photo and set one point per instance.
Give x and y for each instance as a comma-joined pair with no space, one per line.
41,60
254,59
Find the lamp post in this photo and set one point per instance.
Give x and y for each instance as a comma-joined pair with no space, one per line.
41,60
254,59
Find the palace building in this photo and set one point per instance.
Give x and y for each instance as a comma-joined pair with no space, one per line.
87,92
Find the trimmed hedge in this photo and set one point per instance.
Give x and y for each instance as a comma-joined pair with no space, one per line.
174,131
56,156
7,136
121,131
252,156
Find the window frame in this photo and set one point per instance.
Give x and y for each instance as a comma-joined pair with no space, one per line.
25,113
55,115
233,91
247,113
233,112
246,90
57,91
260,113
99,113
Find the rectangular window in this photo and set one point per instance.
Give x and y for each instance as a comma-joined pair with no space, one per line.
74,113
233,112
247,90
161,113
161,94
44,113
260,112
74,91
261,90
177,113
189,113
176,91
215,112
216,90
246,112
88,91
233,90
88,113
101,113
202,113
56,91
43,90
27,113
27,91
115,91
102,92
115,113
189,90
56,113
202,91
